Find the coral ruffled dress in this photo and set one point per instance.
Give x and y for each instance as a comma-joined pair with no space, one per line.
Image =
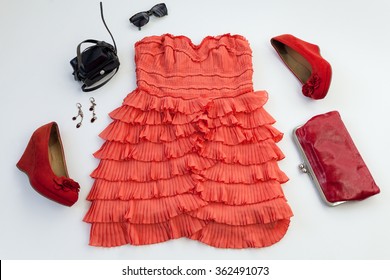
191,152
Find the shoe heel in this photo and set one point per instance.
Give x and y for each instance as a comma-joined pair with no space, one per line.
27,160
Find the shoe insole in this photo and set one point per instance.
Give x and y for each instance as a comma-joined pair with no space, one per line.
296,62
56,158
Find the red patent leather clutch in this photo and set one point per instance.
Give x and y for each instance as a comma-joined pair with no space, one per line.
333,161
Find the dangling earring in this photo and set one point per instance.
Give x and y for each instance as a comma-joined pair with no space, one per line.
92,108
80,113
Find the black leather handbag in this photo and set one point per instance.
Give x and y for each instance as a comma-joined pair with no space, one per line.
96,64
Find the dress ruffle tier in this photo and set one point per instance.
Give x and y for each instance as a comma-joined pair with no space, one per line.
191,152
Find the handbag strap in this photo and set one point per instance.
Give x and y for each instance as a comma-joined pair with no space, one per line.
79,61
104,22
92,41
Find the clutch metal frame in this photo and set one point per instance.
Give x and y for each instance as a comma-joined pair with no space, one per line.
306,167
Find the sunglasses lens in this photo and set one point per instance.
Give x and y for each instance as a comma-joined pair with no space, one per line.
140,19
159,10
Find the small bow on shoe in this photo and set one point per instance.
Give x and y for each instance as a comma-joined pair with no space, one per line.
66,184
311,85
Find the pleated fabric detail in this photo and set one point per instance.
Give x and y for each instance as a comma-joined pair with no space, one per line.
191,152
120,233
142,211
239,237
239,193
103,189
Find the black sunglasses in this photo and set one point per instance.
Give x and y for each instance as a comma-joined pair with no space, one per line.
142,18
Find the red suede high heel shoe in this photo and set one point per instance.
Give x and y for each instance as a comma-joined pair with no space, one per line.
44,163
306,63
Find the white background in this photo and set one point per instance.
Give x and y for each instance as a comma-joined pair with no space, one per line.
38,39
